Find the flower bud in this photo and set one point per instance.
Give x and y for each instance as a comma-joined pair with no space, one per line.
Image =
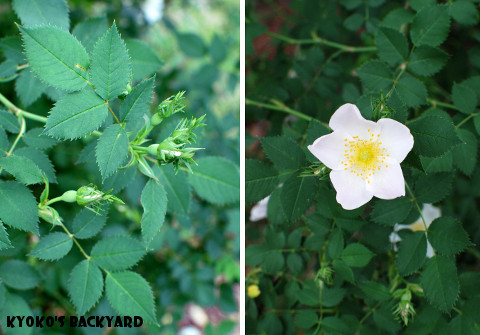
253,291
69,196
87,195
50,215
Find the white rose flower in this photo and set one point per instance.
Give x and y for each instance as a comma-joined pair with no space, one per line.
429,213
364,156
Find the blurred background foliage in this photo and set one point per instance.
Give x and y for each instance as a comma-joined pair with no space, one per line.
194,269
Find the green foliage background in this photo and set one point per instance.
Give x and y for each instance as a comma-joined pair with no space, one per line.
195,256
324,270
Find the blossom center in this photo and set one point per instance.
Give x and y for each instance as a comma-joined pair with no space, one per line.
364,157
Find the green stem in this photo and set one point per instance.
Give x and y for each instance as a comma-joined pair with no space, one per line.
318,40
474,252
461,123
278,106
416,205
436,103
113,114
76,242
54,200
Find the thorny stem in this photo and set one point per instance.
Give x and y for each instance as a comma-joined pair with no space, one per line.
416,205
113,114
318,40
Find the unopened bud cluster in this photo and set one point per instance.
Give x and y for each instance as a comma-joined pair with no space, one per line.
90,197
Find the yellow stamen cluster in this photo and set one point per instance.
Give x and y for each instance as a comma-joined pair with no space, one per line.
364,157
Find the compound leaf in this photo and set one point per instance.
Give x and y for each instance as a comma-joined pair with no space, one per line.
117,253
76,115
464,98
154,203
57,57
52,247
41,160
130,294
112,150
110,69
412,91
85,286
465,154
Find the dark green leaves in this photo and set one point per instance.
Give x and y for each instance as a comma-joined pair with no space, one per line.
117,253
76,115
18,207
426,60
440,283
389,212
260,180
433,187
464,12
23,168
112,150
412,91
130,294
87,224
137,102
19,275
56,57
434,135
154,202
464,98
217,180
447,236
52,247
179,191
357,255
110,68
430,26
411,253
283,152
465,154
297,195
375,75
392,46
85,286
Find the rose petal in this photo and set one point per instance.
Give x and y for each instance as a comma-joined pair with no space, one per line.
330,149
347,118
259,211
387,183
351,190
430,213
396,138
430,252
